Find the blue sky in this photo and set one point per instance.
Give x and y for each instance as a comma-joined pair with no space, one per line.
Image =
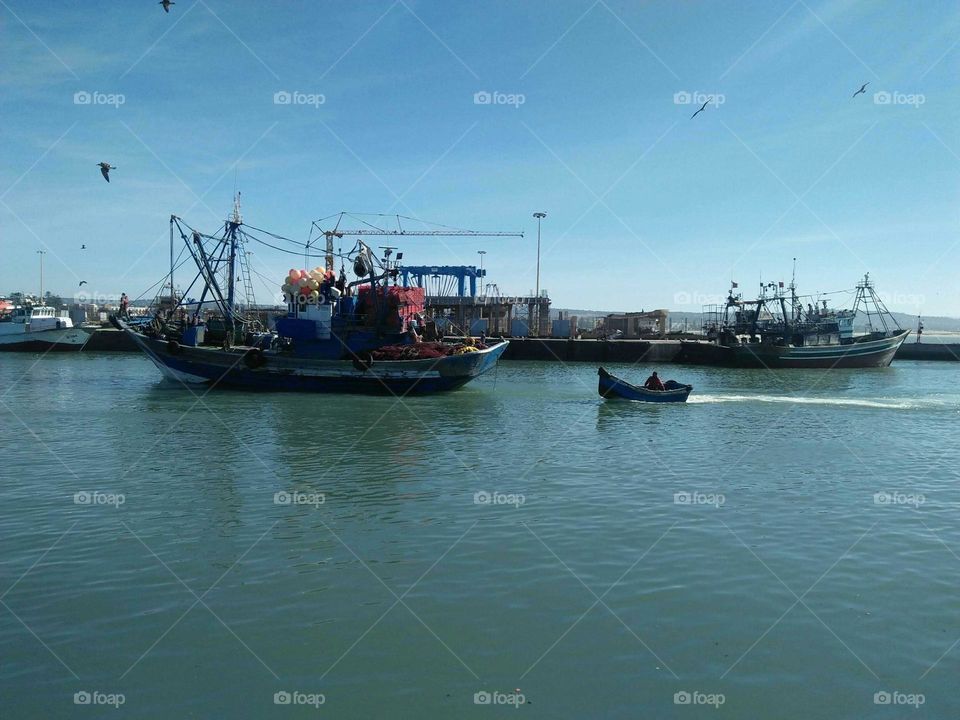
646,207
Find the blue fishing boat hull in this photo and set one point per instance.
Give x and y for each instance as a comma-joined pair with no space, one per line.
612,387
251,369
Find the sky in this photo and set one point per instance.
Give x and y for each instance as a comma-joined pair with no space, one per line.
478,114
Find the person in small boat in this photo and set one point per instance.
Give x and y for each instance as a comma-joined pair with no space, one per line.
653,382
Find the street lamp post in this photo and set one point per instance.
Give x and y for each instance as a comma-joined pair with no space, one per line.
539,216
41,253
481,253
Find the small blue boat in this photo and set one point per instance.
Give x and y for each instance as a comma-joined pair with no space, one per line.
613,388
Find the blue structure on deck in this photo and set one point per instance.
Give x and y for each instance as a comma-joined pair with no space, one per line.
462,274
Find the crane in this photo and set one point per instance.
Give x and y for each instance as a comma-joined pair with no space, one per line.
371,229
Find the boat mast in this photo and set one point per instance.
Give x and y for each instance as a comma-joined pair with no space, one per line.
232,225
173,300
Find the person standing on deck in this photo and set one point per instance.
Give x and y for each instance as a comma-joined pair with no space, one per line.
653,382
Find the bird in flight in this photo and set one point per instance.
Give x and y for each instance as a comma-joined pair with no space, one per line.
82,283
862,90
166,4
105,169
702,107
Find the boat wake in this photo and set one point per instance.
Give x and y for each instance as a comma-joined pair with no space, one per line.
787,399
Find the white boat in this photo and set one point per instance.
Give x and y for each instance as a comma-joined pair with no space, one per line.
38,328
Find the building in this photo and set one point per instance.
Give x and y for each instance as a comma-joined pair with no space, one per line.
655,323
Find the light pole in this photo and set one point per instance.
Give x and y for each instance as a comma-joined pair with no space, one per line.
481,253
41,253
539,216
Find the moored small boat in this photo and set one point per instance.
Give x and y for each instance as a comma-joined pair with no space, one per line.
612,387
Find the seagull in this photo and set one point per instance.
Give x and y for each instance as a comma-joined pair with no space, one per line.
702,107
82,283
863,89
105,169
166,4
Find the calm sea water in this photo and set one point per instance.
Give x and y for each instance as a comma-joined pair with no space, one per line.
785,545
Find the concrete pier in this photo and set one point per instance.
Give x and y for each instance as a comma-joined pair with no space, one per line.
593,351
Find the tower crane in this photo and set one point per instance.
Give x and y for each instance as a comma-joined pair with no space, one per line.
373,230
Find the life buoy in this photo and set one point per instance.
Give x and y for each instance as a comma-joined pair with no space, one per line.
254,358
173,347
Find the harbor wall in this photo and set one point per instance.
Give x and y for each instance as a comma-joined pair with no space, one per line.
593,351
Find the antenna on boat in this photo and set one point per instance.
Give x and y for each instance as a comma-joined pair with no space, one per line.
235,217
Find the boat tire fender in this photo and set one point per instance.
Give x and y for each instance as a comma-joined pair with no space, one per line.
362,362
254,359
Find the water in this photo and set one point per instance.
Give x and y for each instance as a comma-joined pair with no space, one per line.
736,546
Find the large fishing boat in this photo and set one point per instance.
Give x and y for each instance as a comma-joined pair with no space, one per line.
337,335
38,328
780,330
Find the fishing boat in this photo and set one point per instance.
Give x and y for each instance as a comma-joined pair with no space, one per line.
778,330
336,336
612,387
39,328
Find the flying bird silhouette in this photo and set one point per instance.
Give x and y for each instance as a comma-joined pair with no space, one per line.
105,169
82,283
166,4
862,90
702,107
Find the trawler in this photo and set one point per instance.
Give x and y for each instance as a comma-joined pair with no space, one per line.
780,330
39,328
336,336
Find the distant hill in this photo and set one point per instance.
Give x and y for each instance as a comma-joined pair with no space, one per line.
931,324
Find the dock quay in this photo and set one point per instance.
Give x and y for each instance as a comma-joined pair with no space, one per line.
594,351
